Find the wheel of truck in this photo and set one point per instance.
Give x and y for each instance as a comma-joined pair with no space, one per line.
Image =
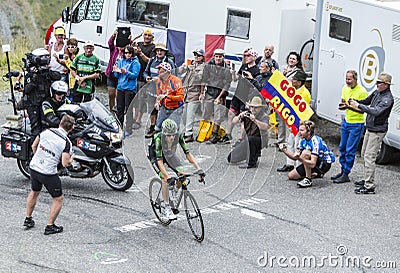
385,154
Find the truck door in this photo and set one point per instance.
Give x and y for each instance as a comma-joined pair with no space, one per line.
89,22
330,82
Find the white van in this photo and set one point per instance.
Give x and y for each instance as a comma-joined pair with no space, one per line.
356,34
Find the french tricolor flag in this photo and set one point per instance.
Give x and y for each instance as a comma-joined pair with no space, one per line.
182,44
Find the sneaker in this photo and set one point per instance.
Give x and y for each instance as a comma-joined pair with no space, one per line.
304,183
150,132
226,139
167,211
29,223
336,176
359,183
364,190
136,125
189,139
341,179
126,134
285,168
52,229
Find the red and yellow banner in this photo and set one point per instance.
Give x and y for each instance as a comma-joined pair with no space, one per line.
283,97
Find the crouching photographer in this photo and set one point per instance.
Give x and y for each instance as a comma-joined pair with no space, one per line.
255,123
37,81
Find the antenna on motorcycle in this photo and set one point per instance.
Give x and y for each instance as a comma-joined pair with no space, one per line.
6,49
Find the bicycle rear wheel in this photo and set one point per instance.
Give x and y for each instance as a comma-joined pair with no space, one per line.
155,196
193,217
307,55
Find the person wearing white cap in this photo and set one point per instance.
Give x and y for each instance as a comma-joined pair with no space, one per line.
377,106
217,77
85,68
169,101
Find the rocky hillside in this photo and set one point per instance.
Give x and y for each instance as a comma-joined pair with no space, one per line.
28,20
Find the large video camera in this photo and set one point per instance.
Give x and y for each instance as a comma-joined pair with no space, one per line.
38,58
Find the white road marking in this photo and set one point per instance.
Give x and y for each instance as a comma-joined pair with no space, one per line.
213,209
254,214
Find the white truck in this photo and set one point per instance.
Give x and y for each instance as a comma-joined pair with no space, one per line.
283,23
356,34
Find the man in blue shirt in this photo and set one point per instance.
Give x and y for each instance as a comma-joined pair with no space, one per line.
312,152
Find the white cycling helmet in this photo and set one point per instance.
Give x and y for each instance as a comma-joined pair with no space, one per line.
169,127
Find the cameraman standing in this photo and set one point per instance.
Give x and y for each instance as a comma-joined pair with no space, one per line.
38,79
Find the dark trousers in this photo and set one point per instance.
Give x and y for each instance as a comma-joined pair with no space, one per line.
125,106
248,149
79,97
34,119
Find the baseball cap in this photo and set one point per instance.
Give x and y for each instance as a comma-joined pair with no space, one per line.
148,31
166,66
59,31
385,77
89,43
199,52
219,51
251,52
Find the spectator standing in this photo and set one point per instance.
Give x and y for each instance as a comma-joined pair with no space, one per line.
293,141
217,78
116,54
193,89
145,52
255,123
57,52
352,126
261,79
268,52
242,90
151,76
73,51
126,72
50,147
312,152
378,106
293,64
169,96
85,68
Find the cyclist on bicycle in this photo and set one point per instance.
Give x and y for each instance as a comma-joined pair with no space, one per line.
163,150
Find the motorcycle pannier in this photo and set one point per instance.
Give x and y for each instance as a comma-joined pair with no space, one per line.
15,145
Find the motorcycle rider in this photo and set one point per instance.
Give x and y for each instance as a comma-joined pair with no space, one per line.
58,92
37,81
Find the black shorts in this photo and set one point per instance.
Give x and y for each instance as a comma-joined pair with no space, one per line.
320,168
112,81
237,105
51,182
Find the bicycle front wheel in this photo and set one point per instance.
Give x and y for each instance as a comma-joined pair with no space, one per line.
193,217
155,195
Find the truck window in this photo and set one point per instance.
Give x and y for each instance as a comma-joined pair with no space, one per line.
88,10
238,24
340,28
149,13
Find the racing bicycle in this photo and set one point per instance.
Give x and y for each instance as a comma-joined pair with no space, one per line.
177,191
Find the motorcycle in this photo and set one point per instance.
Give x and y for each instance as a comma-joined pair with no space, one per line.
96,139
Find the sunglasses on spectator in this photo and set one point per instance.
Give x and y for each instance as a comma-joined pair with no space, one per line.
127,52
379,82
72,46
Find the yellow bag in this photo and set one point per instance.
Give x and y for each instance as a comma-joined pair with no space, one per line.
205,130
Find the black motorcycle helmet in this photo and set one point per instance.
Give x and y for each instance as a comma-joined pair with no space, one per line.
59,88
